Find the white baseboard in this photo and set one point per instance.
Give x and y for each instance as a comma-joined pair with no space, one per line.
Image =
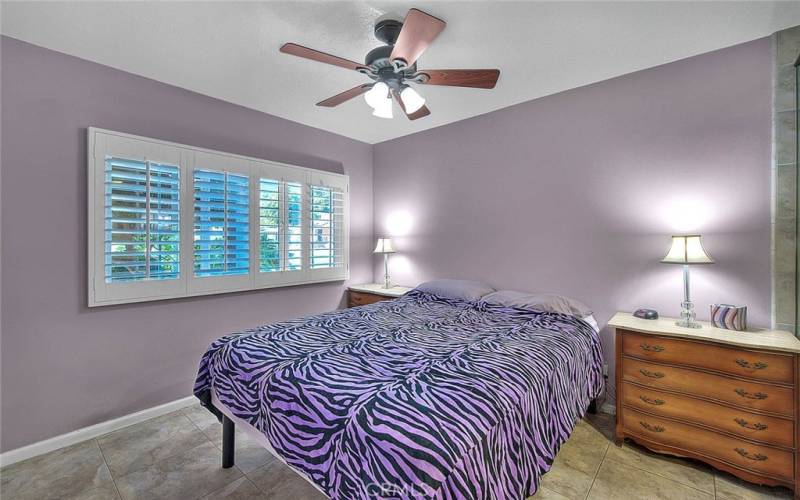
93,431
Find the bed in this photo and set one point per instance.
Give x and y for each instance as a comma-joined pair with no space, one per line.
422,396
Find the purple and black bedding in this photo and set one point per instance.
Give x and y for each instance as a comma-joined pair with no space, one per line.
418,397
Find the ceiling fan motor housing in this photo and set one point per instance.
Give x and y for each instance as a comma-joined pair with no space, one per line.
379,58
387,30
383,69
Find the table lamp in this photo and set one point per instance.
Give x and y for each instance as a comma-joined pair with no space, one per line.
384,246
687,250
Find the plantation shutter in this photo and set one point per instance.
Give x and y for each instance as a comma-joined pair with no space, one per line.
280,225
167,220
326,228
293,248
221,223
270,235
142,220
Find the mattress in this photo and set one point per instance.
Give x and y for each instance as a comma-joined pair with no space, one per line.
416,397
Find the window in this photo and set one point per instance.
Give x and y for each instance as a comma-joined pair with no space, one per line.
270,241
142,220
294,226
221,224
280,224
325,227
168,220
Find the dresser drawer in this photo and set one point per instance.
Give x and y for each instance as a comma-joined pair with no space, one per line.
773,367
743,454
720,388
362,299
766,429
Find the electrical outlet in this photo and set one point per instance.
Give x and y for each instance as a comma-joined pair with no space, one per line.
605,370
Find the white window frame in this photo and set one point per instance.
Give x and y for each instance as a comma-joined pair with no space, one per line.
103,142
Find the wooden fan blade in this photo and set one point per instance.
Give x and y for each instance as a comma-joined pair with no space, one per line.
423,111
419,30
345,96
477,78
316,55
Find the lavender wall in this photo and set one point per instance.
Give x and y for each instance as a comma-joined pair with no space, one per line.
65,366
575,193
578,192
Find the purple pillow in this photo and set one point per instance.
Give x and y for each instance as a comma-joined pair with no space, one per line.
456,289
548,302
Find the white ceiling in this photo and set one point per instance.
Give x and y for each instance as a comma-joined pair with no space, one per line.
229,50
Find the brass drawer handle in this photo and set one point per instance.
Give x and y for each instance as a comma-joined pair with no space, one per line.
651,428
758,365
743,393
758,457
648,373
657,402
652,348
758,426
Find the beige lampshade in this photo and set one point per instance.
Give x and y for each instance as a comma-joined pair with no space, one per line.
687,249
384,246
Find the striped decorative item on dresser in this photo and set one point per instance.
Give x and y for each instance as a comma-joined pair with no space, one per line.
729,317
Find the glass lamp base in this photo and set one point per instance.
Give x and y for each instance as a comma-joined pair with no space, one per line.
688,315
387,284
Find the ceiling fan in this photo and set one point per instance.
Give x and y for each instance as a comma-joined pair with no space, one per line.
394,65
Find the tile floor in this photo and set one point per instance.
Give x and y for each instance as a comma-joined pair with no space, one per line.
177,456
590,466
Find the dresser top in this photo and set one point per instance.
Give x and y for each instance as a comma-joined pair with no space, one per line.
377,289
777,340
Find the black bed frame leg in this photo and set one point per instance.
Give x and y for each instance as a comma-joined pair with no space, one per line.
592,407
228,442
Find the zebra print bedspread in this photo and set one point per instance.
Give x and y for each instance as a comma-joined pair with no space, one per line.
415,397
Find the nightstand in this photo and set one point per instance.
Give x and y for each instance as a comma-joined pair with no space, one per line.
361,295
728,398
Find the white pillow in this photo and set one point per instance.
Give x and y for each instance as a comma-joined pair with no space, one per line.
456,289
547,302
592,322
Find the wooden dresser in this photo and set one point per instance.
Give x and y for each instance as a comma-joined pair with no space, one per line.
361,295
731,399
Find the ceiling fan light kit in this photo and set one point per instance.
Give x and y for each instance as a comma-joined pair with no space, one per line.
411,99
394,65
384,108
379,92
